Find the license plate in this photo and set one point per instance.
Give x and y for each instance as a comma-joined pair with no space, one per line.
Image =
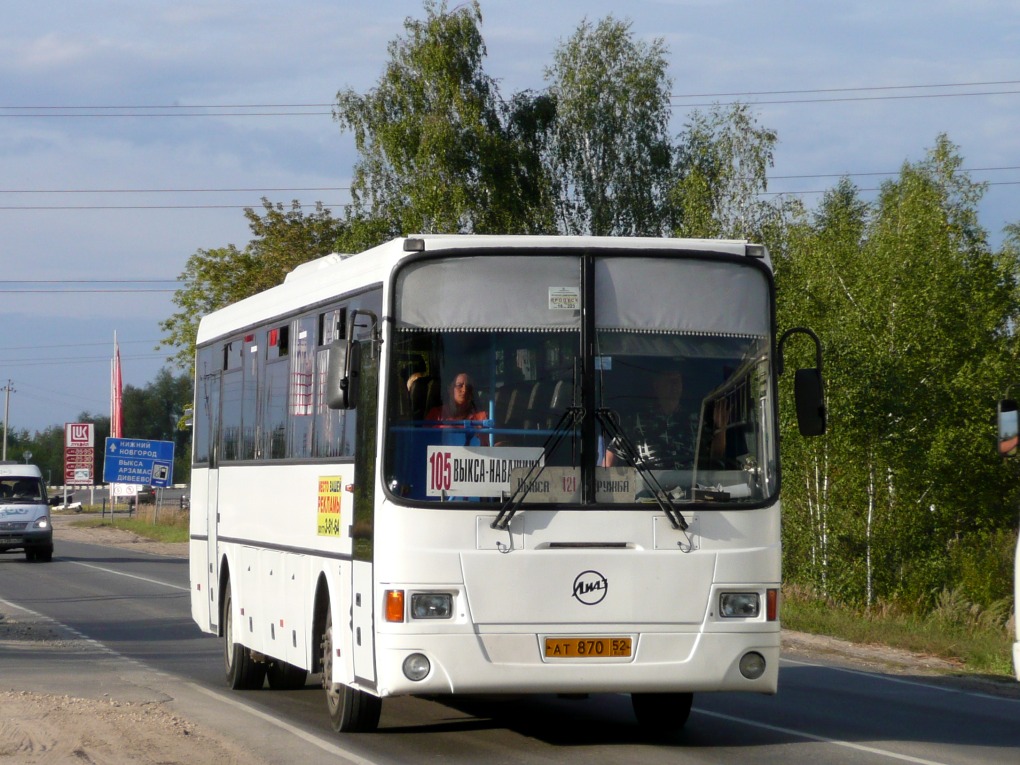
587,648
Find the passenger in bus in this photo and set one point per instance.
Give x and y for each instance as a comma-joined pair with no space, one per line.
460,406
415,371
664,435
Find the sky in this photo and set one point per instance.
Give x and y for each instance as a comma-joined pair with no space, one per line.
134,132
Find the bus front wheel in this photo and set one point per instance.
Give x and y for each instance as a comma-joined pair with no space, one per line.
242,671
662,713
350,710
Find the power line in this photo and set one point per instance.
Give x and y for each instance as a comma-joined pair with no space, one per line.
74,345
847,90
347,188
89,281
177,115
176,110
189,106
169,191
5,291
330,205
849,99
37,362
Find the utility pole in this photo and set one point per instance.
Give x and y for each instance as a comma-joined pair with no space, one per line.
8,389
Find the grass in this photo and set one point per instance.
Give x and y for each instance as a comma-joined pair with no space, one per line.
171,525
979,642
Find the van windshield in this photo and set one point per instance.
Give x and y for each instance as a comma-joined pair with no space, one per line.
21,489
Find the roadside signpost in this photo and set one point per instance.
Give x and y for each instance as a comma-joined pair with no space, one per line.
134,461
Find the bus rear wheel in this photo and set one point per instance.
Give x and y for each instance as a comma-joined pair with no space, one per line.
662,714
285,677
350,710
242,671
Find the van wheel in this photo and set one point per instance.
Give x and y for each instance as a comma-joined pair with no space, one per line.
243,672
350,710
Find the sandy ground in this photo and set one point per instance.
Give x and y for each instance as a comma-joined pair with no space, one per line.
100,709
130,715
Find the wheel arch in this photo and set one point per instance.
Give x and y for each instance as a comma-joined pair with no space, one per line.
320,606
221,593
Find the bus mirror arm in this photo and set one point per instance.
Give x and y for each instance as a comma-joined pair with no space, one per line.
343,373
808,388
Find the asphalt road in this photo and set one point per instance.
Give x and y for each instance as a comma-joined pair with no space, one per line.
131,611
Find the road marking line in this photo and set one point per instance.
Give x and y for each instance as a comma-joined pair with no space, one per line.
820,739
130,576
310,738
901,681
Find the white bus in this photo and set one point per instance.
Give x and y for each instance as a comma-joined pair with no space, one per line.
496,464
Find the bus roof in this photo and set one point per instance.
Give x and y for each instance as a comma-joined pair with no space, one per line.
325,278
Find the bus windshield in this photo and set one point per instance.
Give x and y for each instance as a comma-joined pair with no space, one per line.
493,392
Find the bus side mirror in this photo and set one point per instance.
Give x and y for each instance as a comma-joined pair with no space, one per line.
1008,428
343,374
810,400
808,391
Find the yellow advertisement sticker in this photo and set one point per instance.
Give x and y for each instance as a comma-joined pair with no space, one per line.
330,487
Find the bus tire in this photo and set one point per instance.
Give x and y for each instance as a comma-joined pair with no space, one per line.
285,677
242,671
662,714
350,710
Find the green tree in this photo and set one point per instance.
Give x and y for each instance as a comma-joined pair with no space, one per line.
914,307
438,151
721,169
610,150
282,239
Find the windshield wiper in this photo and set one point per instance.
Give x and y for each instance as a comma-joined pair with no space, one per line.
610,423
567,422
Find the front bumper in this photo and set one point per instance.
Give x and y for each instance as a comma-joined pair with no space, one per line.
28,539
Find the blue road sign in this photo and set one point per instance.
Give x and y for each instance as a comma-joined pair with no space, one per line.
131,460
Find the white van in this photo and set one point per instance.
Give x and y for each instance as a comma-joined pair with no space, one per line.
24,512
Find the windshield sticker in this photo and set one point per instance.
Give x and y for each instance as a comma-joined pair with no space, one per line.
330,488
564,298
475,471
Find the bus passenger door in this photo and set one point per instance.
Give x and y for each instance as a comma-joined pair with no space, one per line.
212,499
363,595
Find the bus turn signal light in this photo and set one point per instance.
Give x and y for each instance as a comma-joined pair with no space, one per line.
394,605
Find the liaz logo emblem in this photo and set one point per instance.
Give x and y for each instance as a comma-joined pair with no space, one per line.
590,588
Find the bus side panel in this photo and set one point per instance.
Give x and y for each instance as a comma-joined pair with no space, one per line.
296,621
364,627
249,601
270,622
198,557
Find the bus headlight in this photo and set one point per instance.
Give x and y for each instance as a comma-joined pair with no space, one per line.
431,605
417,667
739,605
